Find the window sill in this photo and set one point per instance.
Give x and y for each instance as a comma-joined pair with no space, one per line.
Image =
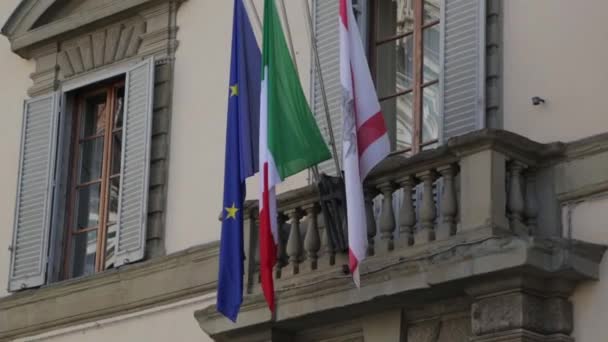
163,280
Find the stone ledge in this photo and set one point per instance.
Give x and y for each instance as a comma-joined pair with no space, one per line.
408,277
163,280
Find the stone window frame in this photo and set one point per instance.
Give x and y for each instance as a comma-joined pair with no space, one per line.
80,48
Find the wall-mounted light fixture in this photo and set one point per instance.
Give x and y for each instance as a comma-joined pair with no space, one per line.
537,101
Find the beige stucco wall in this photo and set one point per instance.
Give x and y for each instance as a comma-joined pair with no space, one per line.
555,49
199,117
17,70
588,223
173,322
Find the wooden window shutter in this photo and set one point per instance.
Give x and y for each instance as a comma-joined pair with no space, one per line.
133,197
33,207
327,35
463,76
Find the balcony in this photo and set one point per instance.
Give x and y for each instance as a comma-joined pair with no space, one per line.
440,225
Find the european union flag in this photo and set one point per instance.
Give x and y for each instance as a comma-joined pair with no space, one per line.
242,140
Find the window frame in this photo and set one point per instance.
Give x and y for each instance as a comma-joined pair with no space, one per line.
418,86
110,88
55,266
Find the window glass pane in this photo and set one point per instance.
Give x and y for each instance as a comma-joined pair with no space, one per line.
432,10
430,146
395,66
430,113
394,17
431,38
113,202
110,246
400,121
91,159
87,203
116,152
84,249
119,107
94,120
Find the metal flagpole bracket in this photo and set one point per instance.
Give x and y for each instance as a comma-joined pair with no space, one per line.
332,198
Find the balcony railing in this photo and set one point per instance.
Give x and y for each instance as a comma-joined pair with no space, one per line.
481,182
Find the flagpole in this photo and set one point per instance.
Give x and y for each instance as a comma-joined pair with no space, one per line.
288,31
256,15
315,51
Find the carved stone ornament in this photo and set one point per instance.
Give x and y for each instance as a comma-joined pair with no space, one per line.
100,48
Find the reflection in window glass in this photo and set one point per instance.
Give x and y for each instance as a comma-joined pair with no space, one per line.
432,11
84,250
407,61
430,113
432,67
397,18
399,110
110,256
87,207
94,120
116,152
395,70
91,159
119,107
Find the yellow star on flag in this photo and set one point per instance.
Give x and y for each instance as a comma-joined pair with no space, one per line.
234,90
231,212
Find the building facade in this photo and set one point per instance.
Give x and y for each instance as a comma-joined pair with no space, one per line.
485,224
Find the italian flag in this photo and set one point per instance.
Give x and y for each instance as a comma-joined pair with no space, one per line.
290,140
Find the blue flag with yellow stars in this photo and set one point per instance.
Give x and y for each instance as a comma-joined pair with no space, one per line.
242,139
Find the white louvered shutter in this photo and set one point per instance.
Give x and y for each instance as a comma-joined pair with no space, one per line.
133,197
463,66
33,206
327,37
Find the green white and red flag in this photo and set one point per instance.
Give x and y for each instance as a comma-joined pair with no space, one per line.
290,140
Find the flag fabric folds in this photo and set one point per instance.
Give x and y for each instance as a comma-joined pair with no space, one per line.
242,158
290,140
365,139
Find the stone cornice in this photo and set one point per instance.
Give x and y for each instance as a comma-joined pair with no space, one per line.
186,274
23,37
441,269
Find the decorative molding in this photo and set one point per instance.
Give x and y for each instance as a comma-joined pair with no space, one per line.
97,49
23,35
131,288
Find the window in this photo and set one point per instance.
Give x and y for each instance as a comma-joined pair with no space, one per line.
82,191
94,180
406,66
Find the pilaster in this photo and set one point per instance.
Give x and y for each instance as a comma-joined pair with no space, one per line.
521,309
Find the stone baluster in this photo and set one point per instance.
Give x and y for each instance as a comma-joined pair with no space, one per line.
428,213
387,217
531,205
515,202
330,249
281,248
294,244
254,250
449,205
407,215
312,241
371,221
